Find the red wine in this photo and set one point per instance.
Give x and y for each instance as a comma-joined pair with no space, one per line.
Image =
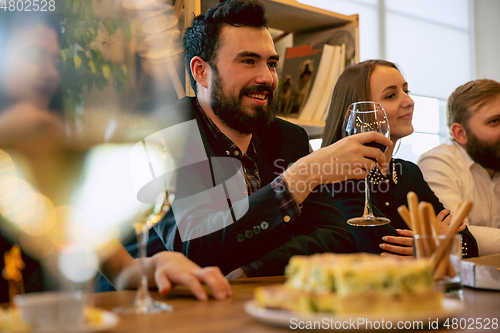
376,145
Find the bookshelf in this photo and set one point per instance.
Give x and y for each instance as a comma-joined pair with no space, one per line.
291,16
288,17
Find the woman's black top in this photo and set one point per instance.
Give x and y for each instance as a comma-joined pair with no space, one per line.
387,194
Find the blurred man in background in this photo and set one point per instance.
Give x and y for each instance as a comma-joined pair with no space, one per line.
467,167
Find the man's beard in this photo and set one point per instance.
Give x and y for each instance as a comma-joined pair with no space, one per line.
231,110
484,153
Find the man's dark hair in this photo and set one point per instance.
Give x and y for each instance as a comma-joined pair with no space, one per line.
202,38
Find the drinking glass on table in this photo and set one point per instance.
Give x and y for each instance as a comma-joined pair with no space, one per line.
144,303
448,270
365,117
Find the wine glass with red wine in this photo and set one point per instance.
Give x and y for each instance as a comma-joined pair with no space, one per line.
365,117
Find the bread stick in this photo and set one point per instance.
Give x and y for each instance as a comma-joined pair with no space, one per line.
456,222
445,266
415,222
405,215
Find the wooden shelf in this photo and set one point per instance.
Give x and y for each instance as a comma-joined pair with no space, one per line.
291,16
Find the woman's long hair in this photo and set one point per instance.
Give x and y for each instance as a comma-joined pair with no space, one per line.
352,86
10,22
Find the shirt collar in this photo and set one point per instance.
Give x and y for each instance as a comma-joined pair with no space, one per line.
229,146
467,159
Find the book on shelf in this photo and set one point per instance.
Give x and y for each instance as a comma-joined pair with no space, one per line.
325,91
348,35
299,71
308,78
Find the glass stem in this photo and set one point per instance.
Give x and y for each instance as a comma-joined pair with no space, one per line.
142,296
368,201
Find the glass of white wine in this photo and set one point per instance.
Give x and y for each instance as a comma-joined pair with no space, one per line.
64,185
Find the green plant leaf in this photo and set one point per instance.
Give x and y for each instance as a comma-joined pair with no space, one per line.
83,65
86,38
92,67
111,26
93,33
78,61
93,54
106,72
86,13
63,55
76,5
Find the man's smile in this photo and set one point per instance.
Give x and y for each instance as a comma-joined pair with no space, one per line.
260,99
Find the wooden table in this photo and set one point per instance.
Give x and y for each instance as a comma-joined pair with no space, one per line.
191,316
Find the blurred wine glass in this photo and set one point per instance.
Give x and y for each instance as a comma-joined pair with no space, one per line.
78,88
365,117
144,303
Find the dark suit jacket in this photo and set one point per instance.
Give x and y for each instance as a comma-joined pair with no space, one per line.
319,227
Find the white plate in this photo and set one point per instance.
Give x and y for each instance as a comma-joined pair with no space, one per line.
295,320
108,321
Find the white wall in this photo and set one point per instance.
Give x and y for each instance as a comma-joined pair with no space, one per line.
487,35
